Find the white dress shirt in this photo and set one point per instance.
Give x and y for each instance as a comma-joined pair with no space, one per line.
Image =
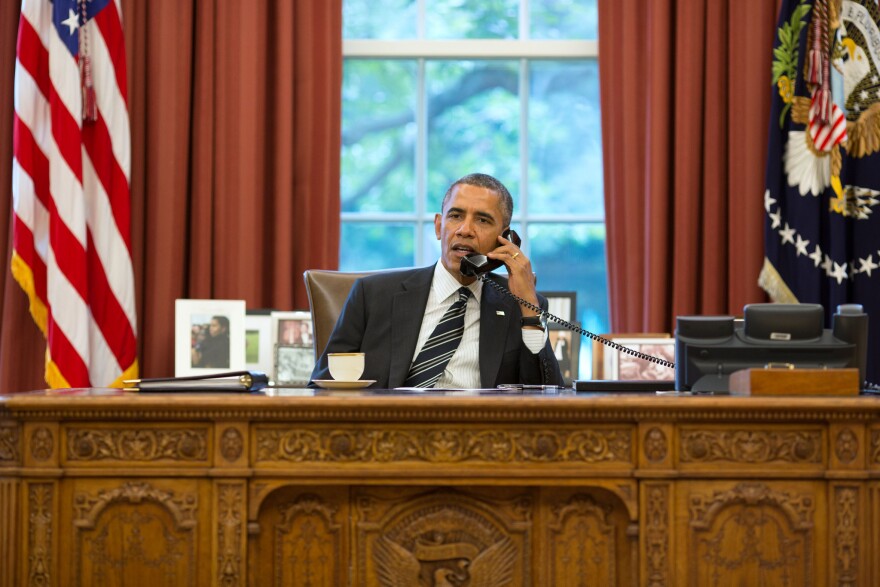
463,370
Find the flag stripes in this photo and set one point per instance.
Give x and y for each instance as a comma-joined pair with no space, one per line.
71,227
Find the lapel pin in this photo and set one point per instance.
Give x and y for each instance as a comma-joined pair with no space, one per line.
499,312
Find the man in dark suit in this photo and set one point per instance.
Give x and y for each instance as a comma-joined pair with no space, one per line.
391,316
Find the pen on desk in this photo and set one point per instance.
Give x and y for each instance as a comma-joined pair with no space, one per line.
522,386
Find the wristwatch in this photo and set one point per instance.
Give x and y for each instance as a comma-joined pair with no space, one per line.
540,321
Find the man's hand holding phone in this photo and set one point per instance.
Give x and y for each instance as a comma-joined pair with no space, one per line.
521,278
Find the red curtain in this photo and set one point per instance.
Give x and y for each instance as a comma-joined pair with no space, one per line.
685,90
235,116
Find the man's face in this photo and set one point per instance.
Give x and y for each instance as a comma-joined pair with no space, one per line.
215,329
471,222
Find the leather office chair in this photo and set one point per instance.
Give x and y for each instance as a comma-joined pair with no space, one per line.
327,291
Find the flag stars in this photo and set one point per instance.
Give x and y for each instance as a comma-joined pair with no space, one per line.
801,246
867,265
768,201
816,256
775,219
787,234
72,21
826,265
839,272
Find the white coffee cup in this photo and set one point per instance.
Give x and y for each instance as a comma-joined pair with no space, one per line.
346,366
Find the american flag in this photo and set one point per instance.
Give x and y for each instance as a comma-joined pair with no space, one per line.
70,189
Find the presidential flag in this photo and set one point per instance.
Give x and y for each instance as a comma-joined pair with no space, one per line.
822,230
70,189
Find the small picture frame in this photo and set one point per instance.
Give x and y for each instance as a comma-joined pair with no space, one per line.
208,336
258,343
566,346
293,365
293,328
562,304
621,365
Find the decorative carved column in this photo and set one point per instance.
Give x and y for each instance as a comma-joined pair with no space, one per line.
10,457
230,541
41,535
845,533
9,514
656,526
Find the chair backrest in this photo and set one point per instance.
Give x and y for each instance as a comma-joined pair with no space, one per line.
327,292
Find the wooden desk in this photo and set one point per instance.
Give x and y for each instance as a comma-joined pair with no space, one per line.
102,488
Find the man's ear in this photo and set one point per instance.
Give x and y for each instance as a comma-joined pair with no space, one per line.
437,226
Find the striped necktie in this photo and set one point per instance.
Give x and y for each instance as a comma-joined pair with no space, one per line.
440,346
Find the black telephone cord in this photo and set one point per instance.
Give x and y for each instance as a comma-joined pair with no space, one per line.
576,328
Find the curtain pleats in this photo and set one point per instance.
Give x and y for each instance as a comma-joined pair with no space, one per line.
685,90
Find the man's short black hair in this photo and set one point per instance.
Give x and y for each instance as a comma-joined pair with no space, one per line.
223,321
481,180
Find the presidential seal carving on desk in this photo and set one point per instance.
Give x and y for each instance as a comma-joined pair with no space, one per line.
443,539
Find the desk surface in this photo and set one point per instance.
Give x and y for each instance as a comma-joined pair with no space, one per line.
285,403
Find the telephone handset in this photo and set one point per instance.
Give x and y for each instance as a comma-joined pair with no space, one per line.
479,265
476,263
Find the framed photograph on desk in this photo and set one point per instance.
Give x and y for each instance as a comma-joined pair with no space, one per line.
621,365
292,328
258,342
293,365
562,304
208,336
566,346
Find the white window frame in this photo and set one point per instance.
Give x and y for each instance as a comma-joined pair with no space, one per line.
422,50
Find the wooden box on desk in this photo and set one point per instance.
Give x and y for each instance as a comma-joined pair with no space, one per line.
769,382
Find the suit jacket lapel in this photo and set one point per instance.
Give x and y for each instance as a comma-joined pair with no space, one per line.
493,332
407,311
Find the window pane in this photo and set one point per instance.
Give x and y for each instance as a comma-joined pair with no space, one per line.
369,246
472,19
565,139
430,245
571,257
473,114
385,19
378,135
563,19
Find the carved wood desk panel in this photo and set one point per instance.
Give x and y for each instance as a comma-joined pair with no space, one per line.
104,488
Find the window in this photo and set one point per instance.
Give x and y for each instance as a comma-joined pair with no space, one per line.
436,89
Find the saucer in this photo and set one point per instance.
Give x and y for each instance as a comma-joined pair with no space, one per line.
334,384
